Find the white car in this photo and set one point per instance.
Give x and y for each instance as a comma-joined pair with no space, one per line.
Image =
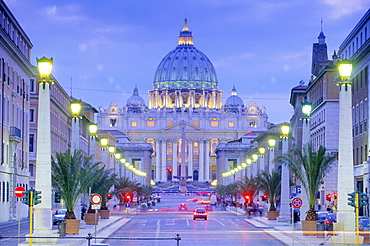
59,216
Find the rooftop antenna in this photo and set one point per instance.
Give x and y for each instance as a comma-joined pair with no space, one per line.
71,86
321,24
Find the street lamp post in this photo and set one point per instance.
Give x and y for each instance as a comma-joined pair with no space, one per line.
93,129
306,110
285,179
262,151
254,166
271,142
345,212
75,109
43,212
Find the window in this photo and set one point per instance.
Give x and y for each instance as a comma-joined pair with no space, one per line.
31,143
32,115
231,123
196,148
133,123
113,122
196,123
169,123
252,123
150,123
214,123
169,148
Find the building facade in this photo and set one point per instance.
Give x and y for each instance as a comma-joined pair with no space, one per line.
15,74
185,99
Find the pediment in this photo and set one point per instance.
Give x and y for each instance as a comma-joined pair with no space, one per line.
178,127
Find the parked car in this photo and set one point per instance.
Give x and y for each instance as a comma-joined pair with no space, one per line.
363,223
208,208
183,207
200,213
59,216
322,216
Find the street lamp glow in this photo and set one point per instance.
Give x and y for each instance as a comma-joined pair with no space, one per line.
272,143
262,150
236,169
76,108
104,142
123,160
93,128
306,108
239,167
345,69
249,162
127,164
117,156
130,167
45,65
254,157
244,165
111,149
285,130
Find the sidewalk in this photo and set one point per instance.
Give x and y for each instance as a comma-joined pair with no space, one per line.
283,231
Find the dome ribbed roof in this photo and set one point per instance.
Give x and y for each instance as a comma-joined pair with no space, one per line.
135,100
234,100
185,66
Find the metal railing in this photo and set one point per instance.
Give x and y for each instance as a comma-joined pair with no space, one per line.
90,238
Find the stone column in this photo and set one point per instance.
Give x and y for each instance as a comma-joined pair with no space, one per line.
285,185
206,166
190,158
174,158
157,161
271,158
201,161
163,160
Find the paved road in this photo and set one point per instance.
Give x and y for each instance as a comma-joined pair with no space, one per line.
221,228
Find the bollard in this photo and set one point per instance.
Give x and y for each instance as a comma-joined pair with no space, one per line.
62,228
320,230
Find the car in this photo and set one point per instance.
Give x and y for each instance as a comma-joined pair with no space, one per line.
363,223
322,216
59,216
200,213
183,207
328,223
208,208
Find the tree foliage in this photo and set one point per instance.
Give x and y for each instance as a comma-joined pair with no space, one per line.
271,185
72,174
310,167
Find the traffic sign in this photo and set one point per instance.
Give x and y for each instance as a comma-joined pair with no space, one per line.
95,199
298,189
18,192
297,202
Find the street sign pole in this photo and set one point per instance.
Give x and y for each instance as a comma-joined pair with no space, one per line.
18,192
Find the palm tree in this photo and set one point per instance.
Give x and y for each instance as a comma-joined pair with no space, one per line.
103,183
271,184
249,186
72,174
310,167
125,185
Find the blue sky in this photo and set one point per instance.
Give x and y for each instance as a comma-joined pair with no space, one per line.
104,48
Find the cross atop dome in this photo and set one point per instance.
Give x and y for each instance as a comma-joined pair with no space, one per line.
185,37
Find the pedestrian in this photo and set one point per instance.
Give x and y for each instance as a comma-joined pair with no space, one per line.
83,211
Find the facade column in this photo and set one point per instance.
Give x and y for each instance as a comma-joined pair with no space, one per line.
262,163
174,158
163,160
157,161
271,159
206,166
190,158
201,161
285,185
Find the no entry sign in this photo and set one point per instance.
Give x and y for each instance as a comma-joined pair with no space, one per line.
95,199
18,192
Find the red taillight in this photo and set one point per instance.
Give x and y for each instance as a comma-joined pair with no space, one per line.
195,213
335,220
327,222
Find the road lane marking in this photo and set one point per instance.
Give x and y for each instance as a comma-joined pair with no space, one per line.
219,222
187,222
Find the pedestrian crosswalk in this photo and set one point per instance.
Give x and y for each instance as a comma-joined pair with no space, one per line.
177,221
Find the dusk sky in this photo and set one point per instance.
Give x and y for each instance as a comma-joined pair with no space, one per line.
263,48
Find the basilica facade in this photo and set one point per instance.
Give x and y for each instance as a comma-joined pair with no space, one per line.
185,119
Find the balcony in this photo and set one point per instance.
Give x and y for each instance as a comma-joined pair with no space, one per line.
15,134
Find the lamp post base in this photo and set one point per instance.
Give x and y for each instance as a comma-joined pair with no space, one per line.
182,186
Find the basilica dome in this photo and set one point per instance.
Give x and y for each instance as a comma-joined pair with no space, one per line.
234,100
135,100
185,66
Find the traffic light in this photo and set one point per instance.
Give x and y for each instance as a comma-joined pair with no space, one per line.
169,170
247,198
36,197
352,199
335,195
109,196
363,199
328,197
57,197
265,197
127,197
26,197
